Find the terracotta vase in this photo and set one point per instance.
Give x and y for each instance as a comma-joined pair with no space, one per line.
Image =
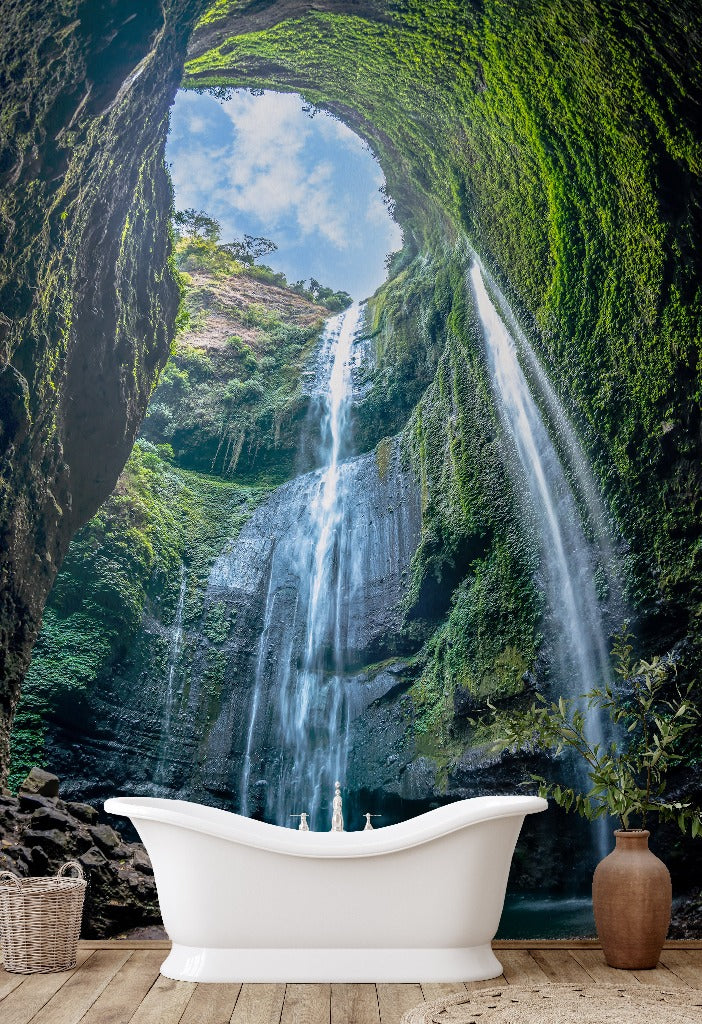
631,898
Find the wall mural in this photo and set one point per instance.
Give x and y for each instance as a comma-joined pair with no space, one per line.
425,448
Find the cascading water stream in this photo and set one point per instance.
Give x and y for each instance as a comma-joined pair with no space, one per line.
577,460
174,650
581,659
312,713
263,643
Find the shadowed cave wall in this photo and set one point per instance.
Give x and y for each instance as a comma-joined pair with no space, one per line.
87,297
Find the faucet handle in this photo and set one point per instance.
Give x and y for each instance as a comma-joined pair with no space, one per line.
337,813
303,826
368,827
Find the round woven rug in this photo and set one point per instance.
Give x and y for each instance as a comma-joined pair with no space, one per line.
563,1004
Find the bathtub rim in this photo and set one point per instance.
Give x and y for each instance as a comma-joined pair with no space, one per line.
232,827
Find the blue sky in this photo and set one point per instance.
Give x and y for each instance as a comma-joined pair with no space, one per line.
262,166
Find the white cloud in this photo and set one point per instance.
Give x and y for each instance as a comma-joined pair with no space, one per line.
196,125
337,131
196,173
267,171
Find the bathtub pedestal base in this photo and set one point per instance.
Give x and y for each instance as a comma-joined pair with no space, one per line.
196,963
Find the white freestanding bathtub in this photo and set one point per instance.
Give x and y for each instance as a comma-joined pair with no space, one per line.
246,901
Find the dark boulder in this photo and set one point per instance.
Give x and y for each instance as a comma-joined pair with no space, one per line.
38,834
45,818
40,782
28,802
54,842
83,812
92,858
105,837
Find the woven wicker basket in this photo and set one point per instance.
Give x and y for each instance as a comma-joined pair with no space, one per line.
40,920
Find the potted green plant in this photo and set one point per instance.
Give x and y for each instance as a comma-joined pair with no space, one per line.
627,779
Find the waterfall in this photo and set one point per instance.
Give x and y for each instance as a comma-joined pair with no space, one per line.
306,652
174,649
577,460
579,639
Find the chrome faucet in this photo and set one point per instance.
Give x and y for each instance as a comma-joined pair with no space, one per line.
303,826
337,815
368,827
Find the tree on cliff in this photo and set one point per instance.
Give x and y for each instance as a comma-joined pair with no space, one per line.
205,232
199,247
250,249
197,224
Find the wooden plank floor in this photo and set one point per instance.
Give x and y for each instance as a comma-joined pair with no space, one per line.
119,983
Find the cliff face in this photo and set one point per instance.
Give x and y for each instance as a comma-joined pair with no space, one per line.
231,401
186,685
143,562
562,139
87,299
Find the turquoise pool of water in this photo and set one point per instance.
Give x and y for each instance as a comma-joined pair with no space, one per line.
534,916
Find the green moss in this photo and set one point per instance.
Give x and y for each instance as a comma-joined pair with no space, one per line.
124,563
216,625
383,455
234,408
407,318
562,139
470,604
474,545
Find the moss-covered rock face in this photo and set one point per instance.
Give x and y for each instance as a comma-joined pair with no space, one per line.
231,400
470,595
106,640
561,138
87,299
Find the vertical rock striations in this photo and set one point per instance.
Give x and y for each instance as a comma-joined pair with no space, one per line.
87,298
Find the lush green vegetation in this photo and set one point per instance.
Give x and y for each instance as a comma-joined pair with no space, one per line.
235,405
223,404
628,777
231,398
127,560
406,329
560,137
472,575
470,602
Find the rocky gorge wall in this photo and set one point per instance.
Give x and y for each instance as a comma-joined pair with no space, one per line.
87,297
561,138
107,637
436,570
